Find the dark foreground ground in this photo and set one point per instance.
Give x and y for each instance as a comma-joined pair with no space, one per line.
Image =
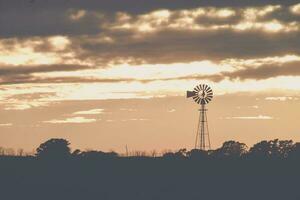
148,178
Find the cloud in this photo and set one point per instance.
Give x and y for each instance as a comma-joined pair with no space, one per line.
6,125
62,80
25,70
89,112
253,107
183,31
25,74
24,100
285,98
295,9
181,45
111,50
259,72
128,109
101,33
265,71
207,19
134,119
259,117
73,120
187,35
77,15
24,105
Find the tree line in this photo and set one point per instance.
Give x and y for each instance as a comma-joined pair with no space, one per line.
267,170
266,149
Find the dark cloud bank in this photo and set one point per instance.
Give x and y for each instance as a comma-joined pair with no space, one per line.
21,20
49,17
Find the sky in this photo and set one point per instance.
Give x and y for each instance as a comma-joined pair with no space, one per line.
105,74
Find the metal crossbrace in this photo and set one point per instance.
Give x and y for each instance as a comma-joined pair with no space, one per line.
202,136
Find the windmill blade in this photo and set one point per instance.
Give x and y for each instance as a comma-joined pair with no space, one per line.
205,87
198,101
196,98
209,90
208,98
196,89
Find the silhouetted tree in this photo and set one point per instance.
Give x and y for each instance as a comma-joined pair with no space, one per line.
77,152
275,149
285,148
20,152
197,154
139,153
54,149
231,149
181,153
295,152
168,155
9,152
2,151
98,155
262,149
153,153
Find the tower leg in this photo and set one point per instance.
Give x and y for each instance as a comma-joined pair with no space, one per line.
202,137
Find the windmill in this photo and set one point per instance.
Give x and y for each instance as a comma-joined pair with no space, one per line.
202,94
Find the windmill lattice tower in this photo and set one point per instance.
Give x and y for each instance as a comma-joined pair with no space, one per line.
202,94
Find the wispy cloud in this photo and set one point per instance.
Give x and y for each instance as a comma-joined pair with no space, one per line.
128,109
134,119
6,124
295,9
73,120
110,120
89,112
25,105
253,107
285,98
259,117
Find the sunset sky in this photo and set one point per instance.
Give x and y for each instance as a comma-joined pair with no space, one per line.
106,74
